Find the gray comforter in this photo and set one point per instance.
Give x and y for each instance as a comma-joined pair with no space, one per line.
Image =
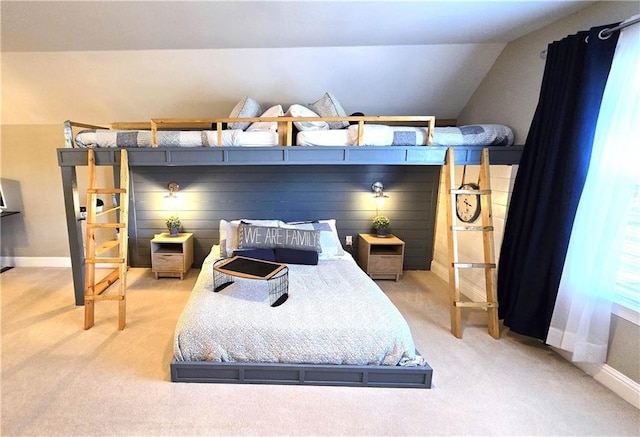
335,314
473,135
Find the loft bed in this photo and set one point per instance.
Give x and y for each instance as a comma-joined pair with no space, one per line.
157,153
281,149
72,156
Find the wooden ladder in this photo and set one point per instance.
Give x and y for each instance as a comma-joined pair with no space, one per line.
114,218
455,265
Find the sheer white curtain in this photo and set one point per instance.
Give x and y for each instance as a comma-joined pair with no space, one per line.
582,313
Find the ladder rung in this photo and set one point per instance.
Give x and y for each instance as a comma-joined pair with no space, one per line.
478,192
104,260
106,246
106,225
476,304
104,297
474,265
106,190
107,211
107,281
472,228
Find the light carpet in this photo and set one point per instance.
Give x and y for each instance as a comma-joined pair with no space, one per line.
58,379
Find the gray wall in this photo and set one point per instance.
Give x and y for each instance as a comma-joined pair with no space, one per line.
290,193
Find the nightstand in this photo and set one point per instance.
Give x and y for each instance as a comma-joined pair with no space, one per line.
171,256
381,257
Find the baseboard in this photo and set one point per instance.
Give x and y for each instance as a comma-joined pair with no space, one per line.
440,270
43,261
35,261
620,384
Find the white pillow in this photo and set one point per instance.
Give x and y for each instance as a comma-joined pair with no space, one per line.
247,107
229,240
274,111
329,106
329,239
301,111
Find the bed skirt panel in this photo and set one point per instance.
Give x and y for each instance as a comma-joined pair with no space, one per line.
301,374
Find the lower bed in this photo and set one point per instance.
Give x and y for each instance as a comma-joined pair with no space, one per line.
336,328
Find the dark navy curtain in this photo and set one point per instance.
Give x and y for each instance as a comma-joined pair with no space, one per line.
550,178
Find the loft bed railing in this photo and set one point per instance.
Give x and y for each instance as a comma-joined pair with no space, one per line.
284,125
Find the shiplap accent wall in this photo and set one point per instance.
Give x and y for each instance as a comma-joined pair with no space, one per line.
289,193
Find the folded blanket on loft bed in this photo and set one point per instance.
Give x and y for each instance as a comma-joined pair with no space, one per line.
473,135
382,135
373,135
335,314
143,138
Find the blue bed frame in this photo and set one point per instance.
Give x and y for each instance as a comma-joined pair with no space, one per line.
302,374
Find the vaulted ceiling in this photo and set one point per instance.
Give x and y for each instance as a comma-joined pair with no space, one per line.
144,25
103,61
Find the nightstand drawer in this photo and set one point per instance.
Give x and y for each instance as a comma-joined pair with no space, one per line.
165,262
385,264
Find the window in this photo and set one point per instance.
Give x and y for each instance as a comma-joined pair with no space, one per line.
628,276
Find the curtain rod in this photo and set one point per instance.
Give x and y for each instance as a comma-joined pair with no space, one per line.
607,32
604,33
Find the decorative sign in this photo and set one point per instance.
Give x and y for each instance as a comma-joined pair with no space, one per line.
271,237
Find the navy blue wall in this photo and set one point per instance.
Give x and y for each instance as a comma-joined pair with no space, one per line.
208,194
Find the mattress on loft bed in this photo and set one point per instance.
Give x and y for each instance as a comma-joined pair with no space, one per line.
383,135
90,138
335,315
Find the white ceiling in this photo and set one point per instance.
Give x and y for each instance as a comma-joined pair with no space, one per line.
40,26
103,61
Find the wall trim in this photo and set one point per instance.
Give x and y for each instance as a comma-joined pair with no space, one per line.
614,380
36,261
620,384
440,270
626,313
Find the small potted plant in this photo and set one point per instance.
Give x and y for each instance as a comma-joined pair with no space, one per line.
173,224
381,225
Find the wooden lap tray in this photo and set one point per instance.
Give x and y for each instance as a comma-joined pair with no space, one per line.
276,275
